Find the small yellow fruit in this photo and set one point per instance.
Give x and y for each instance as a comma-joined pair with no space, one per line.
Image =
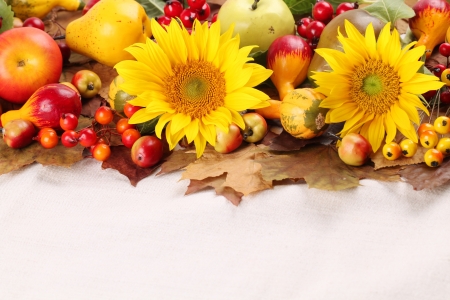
442,124
428,139
444,146
409,148
392,151
433,158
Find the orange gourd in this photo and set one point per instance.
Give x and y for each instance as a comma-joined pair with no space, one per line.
300,114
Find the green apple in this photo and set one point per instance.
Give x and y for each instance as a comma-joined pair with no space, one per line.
257,23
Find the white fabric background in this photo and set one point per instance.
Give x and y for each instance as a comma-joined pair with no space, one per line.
86,233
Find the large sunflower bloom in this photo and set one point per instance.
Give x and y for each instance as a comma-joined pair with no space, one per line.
194,82
373,85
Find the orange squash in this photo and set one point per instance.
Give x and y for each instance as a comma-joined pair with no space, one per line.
300,114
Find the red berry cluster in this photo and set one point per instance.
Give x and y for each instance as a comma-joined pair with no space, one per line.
443,72
322,13
197,9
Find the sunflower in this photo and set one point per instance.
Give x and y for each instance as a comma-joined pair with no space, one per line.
374,85
192,82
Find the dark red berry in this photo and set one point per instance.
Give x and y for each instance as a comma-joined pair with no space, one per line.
438,69
188,16
196,4
445,97
323,11
204,12
444,49
429,95
214,18
346,6
164,20
34,22
302,24
314,30
173,8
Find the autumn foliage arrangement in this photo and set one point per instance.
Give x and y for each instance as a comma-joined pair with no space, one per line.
183,86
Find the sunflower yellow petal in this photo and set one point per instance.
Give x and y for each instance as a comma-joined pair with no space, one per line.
400,116
161,123
240,101
173,138
343,113
209,132
140,116
371,42
409,133
410,110
192,130
179,122
414,100
259,74
391,128
200,145
235,82
213,42
350,123
376,132
237,119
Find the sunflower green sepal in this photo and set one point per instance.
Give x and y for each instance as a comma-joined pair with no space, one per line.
374,85
194,82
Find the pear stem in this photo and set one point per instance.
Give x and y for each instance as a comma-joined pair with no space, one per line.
255,5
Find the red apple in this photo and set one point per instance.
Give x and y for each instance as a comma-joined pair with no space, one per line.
147,151
255,127
354,150
29,59
18,133
227,142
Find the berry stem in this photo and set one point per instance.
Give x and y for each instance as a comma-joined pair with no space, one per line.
59,37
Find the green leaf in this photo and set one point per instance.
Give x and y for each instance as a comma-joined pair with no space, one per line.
153,8
148,127
389,10
7,16
301,7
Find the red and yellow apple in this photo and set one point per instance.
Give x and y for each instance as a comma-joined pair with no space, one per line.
29,59
354,150
228,141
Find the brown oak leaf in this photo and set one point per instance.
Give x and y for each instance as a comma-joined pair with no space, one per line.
218,184
243,172
423,177
14,159
321,168
177,160
121,161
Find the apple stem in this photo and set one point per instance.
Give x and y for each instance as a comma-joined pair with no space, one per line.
334,136
255,5
59,37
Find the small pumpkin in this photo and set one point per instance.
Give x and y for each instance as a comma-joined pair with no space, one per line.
116,97
300,114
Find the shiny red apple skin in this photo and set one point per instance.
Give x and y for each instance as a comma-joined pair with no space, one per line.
147,151
29,59
255,127
354,150
227,142
18,133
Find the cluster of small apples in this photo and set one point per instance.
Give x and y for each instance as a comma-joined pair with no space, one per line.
255,130
322,13
197,9
438,148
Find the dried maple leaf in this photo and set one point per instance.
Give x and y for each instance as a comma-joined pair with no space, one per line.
14,159
218,184
121,161
176,161
243,172
286,142
423,177
321,168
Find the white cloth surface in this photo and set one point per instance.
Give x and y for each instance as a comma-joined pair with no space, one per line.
86,233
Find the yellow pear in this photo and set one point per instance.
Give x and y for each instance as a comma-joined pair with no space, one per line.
107,28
